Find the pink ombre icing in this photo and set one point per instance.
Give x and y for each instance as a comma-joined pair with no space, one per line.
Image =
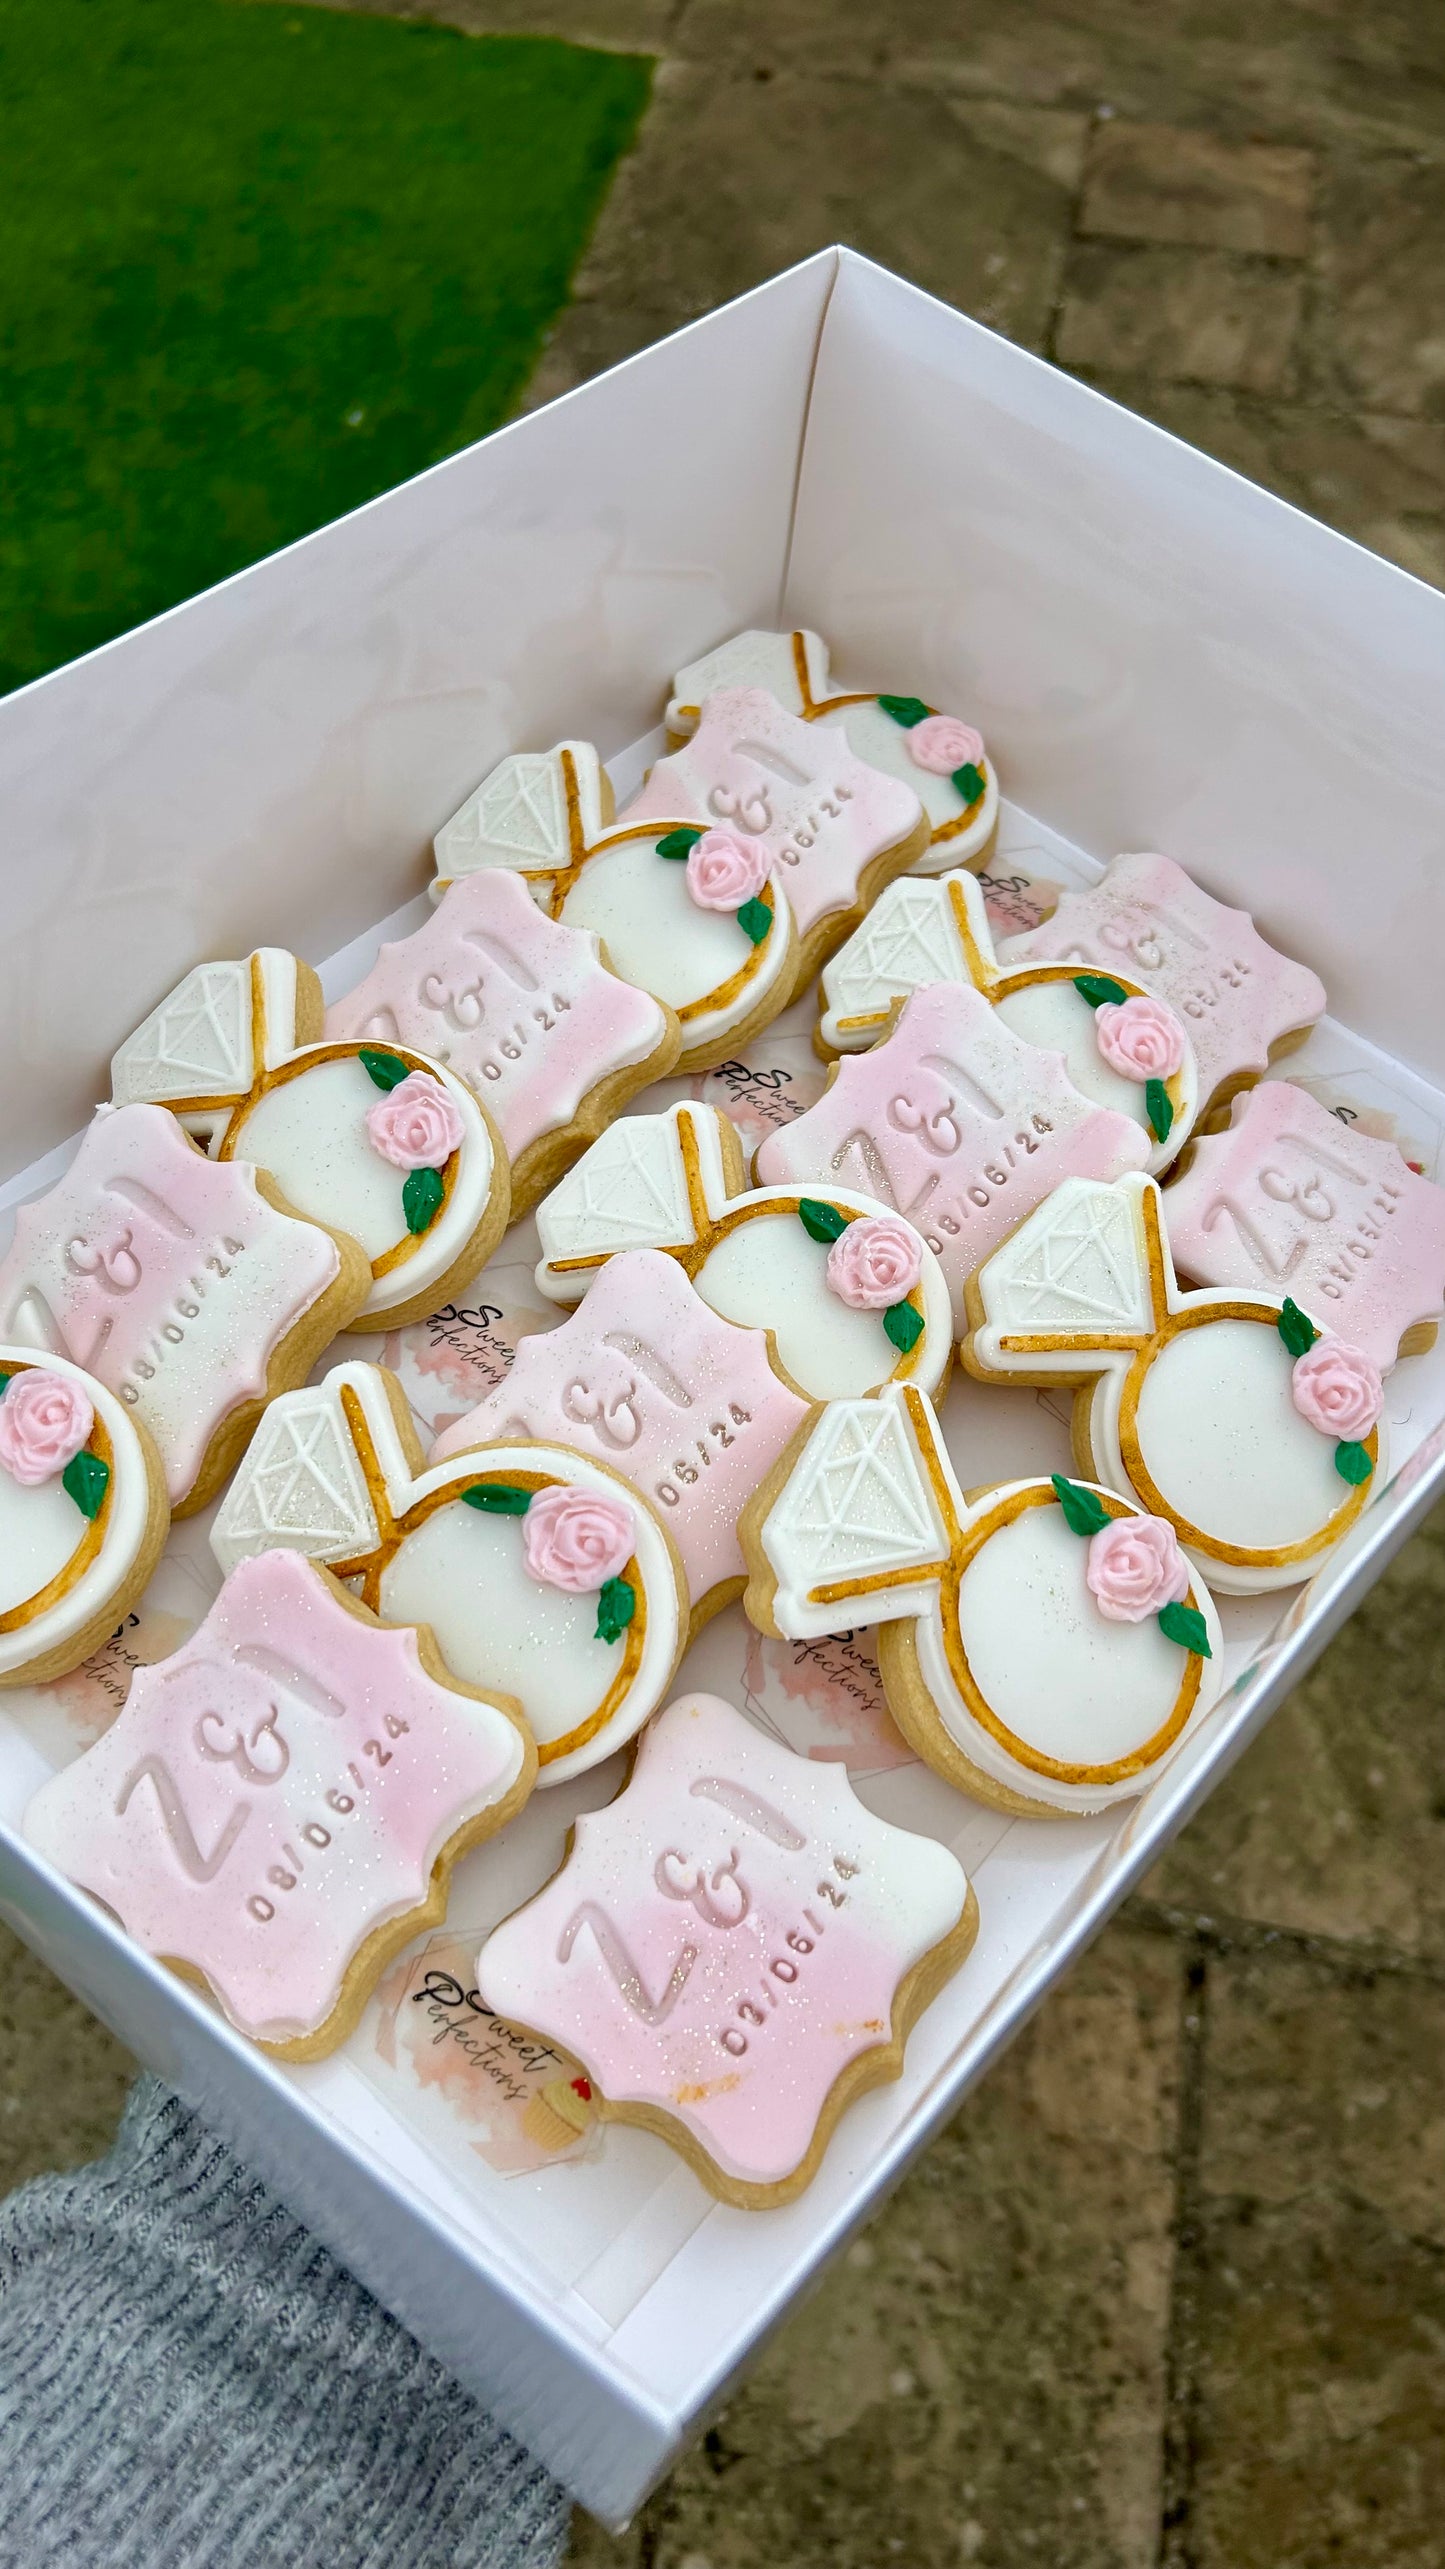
640,1376
1290,1191
958,1121
817,836
274,1791
520,1007
725,1937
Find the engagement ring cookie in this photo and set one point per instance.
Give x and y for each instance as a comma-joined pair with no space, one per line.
1290,1198
1242,1003
851,1294
193,1291
958,1124
526,1011
645,1375
1230,1414
1121,1047
539,1572
83,1515
277,1807
723,883
1044,1646
375,1141
734,1949
941,757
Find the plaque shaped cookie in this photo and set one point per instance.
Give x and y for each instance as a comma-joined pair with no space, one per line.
1122,1047
1043,1645
1290,1198
734,1949
83,1515
277,1807
1232,1415
692,1409
833,828
193,1291
1243,1003
941,757
376,1141
698,918
526,1011
957,1123
539,1572
852,1296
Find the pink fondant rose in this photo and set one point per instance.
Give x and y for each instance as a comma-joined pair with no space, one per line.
941,744
723,872
416,1125
44,1421
1335,1387
1139,1038
874,1263
1135,1568
575,1539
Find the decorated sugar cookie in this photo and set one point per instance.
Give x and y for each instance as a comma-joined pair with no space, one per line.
541,1573
192,1291
83,1515
1231,1414
525,1011
1123,1048
1292,1199
1242,1003
646,1376
734,1949
1044,1645
851,1294
277,1807
377,1141
957,1123
941,757
723,882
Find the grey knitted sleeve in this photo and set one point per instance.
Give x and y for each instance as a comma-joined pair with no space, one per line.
188,2380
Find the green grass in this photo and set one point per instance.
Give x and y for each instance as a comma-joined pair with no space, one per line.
257,264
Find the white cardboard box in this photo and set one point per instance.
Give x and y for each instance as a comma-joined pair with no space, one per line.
1159,654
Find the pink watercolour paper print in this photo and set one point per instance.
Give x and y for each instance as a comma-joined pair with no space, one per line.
165,1274
794,788
647,1378
1235,994
1292,1200
726,1937
519,1006
276,1790
958,1124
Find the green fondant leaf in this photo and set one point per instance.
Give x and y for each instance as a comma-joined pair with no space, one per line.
84,1479
421,1198
1298,1332
5,1381
1186,1625
1096,987
678,843
904,1325
1083,1512
969,780
1353,1464
616,1606
497,1498
384,1068
821,1221
1158,1109
755,919
907,710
